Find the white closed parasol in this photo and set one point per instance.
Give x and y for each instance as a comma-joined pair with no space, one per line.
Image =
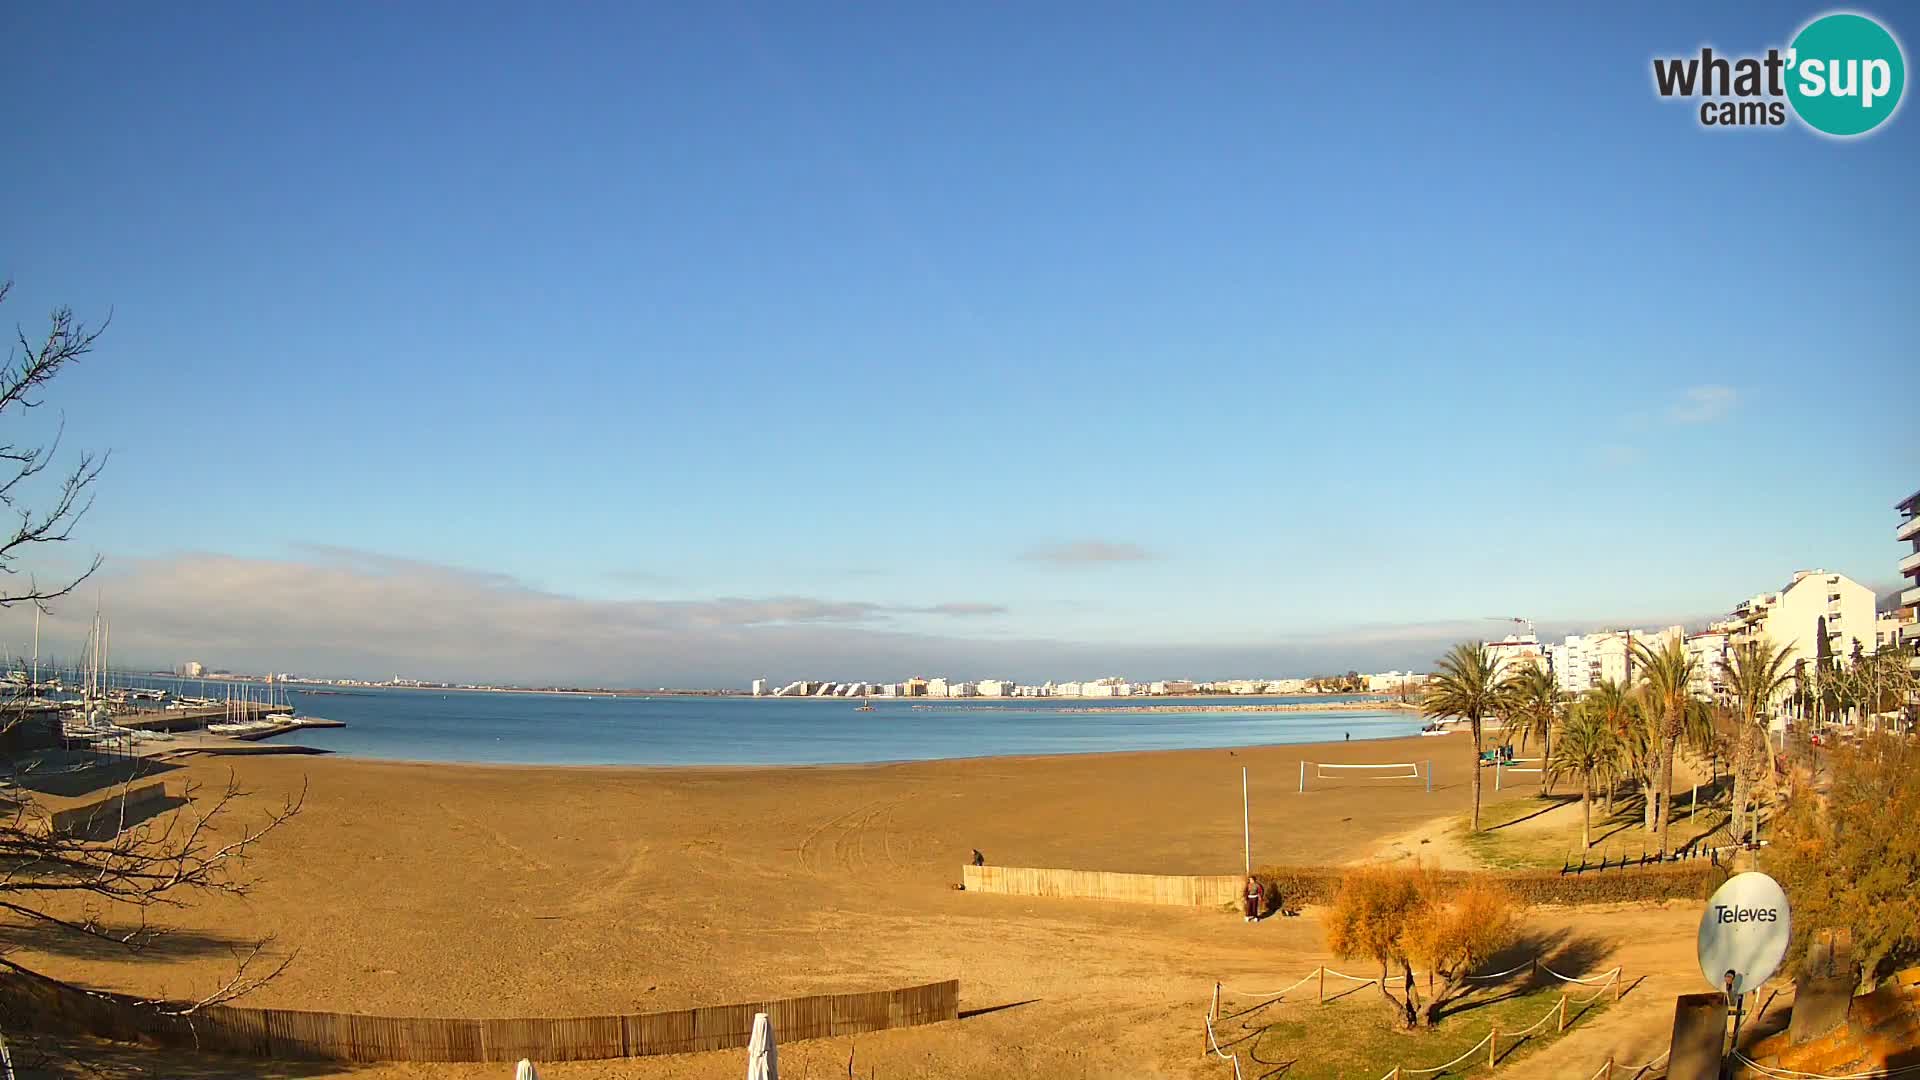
763,1062
525,1071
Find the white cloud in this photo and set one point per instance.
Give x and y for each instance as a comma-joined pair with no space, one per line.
1704,404
1081,553
349,613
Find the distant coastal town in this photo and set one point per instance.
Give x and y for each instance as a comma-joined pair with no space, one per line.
1814,606
1817,611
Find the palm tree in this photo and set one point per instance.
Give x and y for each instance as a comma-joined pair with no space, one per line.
1667,672
1609,704
1533,705
1467,684
1586,748
1757,675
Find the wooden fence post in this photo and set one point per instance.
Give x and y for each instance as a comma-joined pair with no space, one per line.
1323,987
1493,1046
1562,1026
1213,1013
1609,1068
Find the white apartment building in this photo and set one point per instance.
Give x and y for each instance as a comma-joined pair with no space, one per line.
1890,629
1793,618
1387,682
1709,650
995,687
1290,686
936,688
1067,689
759,687
1584,661
1512,654
959,689
1908,532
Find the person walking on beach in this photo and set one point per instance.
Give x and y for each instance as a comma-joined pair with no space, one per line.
979,859
1251,906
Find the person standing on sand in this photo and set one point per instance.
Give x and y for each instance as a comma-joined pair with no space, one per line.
1251,906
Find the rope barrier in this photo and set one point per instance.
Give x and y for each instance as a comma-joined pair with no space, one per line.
1598,994
1604,976
1607,980
1398,980
1352,978
1502,974
1650,1064
1276,993
1455,1061
1215,1045
1791,1074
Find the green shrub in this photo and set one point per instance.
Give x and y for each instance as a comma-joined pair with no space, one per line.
1290,887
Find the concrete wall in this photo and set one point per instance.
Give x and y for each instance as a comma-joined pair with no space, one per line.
1207,890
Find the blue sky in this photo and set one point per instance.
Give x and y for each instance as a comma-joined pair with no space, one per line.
1011,334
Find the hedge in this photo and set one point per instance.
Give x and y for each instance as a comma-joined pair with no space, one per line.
1294,886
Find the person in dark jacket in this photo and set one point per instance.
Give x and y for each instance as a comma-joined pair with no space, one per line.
1251,901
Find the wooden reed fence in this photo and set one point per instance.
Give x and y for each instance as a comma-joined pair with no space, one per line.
288,1034
1204,890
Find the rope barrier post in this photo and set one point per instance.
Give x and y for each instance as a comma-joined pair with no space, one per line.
1214,1012
1619,976
1303,776
1323,984
1493,1046
1562,1026
1609,1068
1429,776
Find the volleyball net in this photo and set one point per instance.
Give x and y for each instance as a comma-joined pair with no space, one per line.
1323,774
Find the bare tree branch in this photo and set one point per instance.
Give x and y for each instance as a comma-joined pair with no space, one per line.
31,364
102,880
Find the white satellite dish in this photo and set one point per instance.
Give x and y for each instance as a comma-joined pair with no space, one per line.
1745,930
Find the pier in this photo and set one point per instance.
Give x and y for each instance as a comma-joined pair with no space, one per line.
237,712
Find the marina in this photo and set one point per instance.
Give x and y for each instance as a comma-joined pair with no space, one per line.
91,707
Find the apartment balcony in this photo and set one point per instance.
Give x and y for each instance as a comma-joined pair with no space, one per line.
1909,528
1910,565
1910,598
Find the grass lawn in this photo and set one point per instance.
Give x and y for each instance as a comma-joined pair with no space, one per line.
1513,835
1356,1036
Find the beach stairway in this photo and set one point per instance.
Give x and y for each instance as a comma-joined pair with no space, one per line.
1881,1031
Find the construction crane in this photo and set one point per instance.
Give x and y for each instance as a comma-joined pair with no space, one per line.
1528,623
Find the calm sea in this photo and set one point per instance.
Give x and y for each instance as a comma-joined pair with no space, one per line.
434,725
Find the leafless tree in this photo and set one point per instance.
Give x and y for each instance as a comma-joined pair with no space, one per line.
32,362
101,880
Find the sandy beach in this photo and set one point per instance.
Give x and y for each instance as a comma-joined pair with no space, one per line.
498,891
